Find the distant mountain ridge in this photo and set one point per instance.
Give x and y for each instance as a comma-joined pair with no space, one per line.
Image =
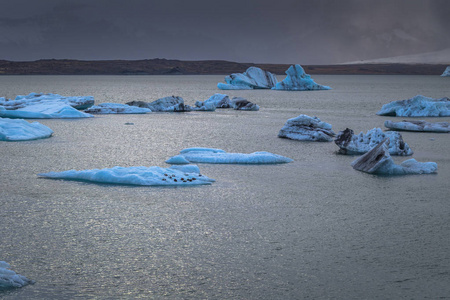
207,67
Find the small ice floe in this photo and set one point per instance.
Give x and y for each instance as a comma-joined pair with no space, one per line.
306,128
148,176
166,104
298,80
239,103
77,102
44,110
116,108
378,161
418,106
350,143
218,156
217,100
252,78
446,72
21,130
10,279
418,126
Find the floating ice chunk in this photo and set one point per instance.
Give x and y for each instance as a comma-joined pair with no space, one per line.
418,126
44,110
10,279
21,130
218,156
306,128
378,161
418,106
116,108
166,104
298,80
77,102
239,103
446,72
253,78
177,160
149,176
350,143
216,100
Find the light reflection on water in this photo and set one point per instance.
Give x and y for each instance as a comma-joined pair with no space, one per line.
314,228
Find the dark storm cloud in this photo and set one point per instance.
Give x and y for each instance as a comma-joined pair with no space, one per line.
284,31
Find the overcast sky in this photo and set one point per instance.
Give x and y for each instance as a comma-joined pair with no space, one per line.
259,31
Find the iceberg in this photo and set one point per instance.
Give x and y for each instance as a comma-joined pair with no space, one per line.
77,102
350,143
116,108
166,104
44,110
446,72
418,126
21,130
219,156
418,106
252,78
217,100
298,80
147,176
378,161
239,103
306,128
10,279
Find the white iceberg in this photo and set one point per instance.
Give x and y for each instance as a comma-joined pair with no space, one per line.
148,176
239,103
10,279
77,102
446,72
378,161
44,110
298,80
21,130
116,108
218,156
306,128
217,100
418,126
252,78
418,106
350,143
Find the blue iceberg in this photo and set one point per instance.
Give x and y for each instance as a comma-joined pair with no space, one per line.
252,78
378,161
116,108
306,128
446,72
77,102
418,106
10,279
147,176
218,156
298,80
44,110
21,130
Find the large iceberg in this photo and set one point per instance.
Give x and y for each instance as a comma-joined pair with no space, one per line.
306,128
350,143
10,279
21,130
446,72
218,156
116,108
418,126
298,80
148,176
77,102
44,110
378,161
253,78
418,106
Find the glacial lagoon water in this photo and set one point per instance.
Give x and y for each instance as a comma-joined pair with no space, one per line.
311,229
